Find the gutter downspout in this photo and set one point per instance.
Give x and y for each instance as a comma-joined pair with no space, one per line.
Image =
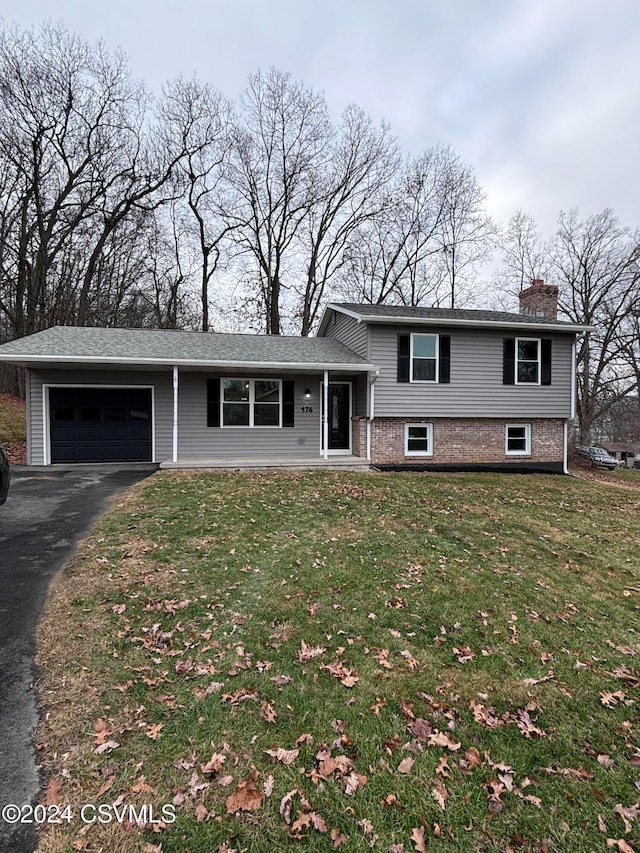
175,413
572,410
325,416
372,409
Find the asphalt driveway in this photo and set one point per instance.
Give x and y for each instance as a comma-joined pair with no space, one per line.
46,512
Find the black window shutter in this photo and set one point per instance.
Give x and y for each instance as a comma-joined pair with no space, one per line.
546,361
444,374
288,403
213,402
508,361
403,358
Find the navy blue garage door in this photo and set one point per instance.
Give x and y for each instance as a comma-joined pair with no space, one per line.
100,424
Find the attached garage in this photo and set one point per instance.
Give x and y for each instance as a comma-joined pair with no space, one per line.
100,424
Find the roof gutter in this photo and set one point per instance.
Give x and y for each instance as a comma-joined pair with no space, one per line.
25,360
475,323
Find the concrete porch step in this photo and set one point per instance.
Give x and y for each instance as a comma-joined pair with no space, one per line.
246,463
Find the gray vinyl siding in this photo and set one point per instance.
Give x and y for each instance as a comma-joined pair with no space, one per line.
349,332
160,381
197,440
360,398
476,388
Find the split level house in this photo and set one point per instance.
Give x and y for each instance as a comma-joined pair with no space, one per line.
381,385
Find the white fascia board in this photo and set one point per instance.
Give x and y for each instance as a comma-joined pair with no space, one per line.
488,324
332,307
355,314
26,360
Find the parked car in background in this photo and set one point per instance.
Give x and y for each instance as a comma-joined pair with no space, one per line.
5,475
598,457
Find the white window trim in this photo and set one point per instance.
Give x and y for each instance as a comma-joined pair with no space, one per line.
528,361
437,358
429,428
251,403
527,436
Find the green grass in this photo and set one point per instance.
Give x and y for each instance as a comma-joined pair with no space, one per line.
485,627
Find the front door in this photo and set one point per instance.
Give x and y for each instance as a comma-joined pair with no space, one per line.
339,416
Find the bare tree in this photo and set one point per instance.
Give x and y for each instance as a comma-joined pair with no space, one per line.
525,255
594,262
79,159
467,233
349,193
202,119
280,146
398,256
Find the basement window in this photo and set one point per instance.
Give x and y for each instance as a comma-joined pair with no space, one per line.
518,439
418,440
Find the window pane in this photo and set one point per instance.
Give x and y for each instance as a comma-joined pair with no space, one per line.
517,439
235,414
528,350
418,432
236,390
527,371
266,414
424,369
418,439
267,391
424,346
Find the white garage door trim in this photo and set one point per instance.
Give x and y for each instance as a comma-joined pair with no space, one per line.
46,410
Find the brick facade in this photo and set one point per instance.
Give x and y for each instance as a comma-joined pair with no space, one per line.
359,437
460,440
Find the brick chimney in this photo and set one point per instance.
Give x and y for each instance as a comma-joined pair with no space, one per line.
539,300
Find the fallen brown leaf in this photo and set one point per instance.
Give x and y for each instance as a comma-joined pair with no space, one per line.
247,797
417,836
284,756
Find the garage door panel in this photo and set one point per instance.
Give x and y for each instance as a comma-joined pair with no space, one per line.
87,452
100,425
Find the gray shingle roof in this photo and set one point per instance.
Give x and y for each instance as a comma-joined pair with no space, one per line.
160,346
397,313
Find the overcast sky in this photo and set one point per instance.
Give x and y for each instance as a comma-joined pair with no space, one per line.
541,97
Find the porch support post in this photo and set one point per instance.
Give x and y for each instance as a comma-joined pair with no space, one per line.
175,413
325,415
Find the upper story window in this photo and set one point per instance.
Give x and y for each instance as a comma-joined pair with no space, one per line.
251,402
424,358
527,361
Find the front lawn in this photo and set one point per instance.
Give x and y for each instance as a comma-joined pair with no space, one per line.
319,661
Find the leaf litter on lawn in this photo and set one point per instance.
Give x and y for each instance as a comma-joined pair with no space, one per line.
212,623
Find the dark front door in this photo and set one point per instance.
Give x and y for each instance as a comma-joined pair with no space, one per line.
339,416
100,424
